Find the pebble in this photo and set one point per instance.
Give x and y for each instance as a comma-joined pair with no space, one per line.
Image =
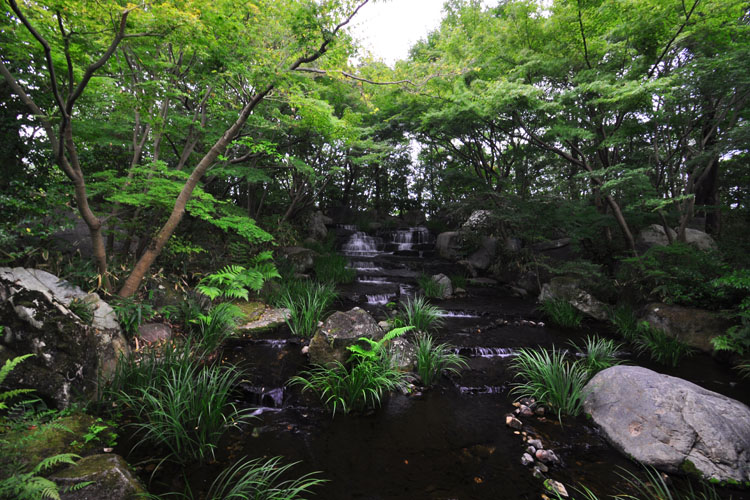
557,487
526,459
542,467
513,422
539,410
525,411
306,349
538,473
531,450
536,444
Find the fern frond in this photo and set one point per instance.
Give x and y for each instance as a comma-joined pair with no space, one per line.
54,460
10,364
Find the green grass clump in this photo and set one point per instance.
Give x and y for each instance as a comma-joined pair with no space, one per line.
624,320
372,373
260,479
659,346
420,314
434,360
331,268
551,379
212,328
307,306
178,404
430,288
599,354
561,313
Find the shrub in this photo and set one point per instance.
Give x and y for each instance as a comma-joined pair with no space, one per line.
551,379
307,307
434,360
132,314
659,346
625,322
599,354
331,268
360,387
420,314
430,288
677,274
559,312
737,338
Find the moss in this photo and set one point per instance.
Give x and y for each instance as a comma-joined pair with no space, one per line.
30,446
690,469
252,310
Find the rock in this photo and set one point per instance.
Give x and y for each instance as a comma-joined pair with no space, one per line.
525,411
71,357
695,327
670,423
478,220
654,235
512,245
459,291
484,256
542,467
651,236
531,450
556,487
404,354
111,478
154,332
446,286
548,245
569,289
535,443
339,331
268,319
700,240
448,245
526,459
547,456
468,269
316,226
482,281
302,259
513,422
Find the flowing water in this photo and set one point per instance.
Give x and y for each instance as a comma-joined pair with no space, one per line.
447,442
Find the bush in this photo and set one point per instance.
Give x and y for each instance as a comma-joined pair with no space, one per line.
559,312
420,314
360,387
737,338
307,306
599,354
550,379
659,346
434,360
677,274
132,314
331,268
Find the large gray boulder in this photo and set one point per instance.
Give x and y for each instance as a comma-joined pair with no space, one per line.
316,226
695,327
654,235
485,255
570,289
339,331
700,240
448,245
110,476
670,423
302,259
71,355
445,284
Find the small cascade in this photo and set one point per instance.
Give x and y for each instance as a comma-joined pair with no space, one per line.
379,280
413,239
379,299
458,314
263,396
360,244
364,265
484,389
484,352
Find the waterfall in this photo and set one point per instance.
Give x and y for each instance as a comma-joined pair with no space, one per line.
360,244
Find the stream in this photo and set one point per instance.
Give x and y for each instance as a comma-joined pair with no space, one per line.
447,442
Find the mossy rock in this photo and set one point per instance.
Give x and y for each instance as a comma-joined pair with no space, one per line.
251,309
26,448
109,474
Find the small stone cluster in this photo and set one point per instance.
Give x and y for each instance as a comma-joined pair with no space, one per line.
535,455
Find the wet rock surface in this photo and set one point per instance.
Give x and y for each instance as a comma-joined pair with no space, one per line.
340,331
670,423
111,477
570,290
695,327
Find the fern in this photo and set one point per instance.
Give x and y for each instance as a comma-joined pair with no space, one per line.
4,372
233,281
30,486
375,347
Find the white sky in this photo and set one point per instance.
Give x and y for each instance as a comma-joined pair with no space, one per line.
389,28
